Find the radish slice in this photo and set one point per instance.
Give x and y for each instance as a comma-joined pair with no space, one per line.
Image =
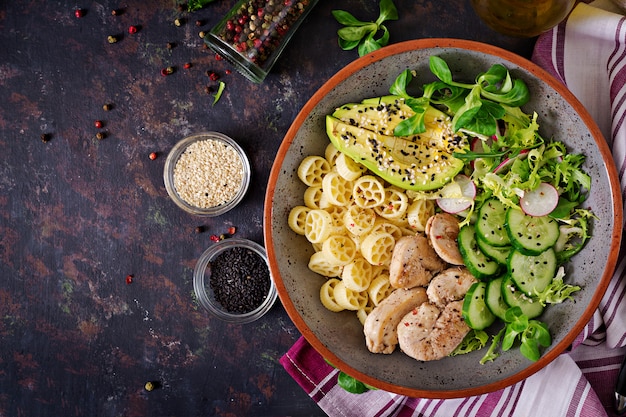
540,201
457,195
506,164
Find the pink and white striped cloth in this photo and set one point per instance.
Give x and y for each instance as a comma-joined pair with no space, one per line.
588,54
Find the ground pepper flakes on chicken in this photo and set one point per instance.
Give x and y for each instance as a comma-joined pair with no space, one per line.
208,173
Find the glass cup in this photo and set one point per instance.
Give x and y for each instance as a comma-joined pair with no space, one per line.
522,18
255,32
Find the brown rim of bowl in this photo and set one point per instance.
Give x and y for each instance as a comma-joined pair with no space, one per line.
539,73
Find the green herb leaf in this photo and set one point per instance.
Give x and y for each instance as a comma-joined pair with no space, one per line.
220,90
193,5
351,384
363,35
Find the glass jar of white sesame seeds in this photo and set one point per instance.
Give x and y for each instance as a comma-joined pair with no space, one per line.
207,174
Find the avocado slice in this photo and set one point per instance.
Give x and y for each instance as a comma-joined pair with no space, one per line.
419,162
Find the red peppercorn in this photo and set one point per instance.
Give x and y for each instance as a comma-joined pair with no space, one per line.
98,124
215,238
132,29
232,230
79,13
129,279
187,65
218,57
228,71
153,155
167,71
213,76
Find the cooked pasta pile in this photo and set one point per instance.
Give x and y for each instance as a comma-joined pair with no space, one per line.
352,219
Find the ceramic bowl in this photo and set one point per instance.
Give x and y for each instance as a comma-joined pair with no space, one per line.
338,337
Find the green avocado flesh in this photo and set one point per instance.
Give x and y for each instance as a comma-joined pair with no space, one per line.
419,162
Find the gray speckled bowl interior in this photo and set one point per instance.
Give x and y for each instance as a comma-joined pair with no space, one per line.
339,336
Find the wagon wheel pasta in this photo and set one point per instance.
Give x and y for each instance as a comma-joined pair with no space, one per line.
339,250
379,289
313,196
357,275
419,212
312,169
320,265
337,190
377,248
331,153
327,295
348,299
359,220
297,219
318,226
394,206
348,168
368,191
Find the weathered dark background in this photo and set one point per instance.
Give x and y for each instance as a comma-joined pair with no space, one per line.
78,214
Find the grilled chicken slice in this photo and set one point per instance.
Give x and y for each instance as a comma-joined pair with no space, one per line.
427,333
381,324
413,262
442,230
450,285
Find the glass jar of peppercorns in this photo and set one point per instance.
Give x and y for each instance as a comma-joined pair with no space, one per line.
254,33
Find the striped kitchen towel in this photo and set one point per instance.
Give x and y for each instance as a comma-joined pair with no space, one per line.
588,54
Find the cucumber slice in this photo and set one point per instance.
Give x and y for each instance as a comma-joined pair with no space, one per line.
490,226
475,311
531,235
475,260
530,306
532,272
498,254
493,298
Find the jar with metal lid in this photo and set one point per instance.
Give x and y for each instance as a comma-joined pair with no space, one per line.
253,33
522,18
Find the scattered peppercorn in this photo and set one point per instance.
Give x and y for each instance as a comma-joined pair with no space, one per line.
107,107
228,72
116,12
167,71
129,279
111,39
218,57
199,229
79,13
152,385
179,22
153,155
215,238
45,137
132,29
98,124
100,135
240,279
202,34
213,76
187,65
232,230
199,22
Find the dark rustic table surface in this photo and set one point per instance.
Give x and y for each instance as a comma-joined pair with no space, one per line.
78,214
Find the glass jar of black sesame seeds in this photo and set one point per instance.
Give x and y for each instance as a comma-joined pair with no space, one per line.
232,281
254,33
